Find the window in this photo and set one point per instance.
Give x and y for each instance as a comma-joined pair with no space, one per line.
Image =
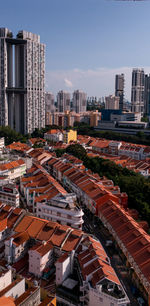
69,217
101,300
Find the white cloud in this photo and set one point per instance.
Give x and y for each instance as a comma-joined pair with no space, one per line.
68,83
96,82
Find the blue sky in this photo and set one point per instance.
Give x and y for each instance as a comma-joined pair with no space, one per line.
87,41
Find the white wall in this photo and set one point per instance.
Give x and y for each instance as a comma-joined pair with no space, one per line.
17,290
5,279
97,298
63,269
38,263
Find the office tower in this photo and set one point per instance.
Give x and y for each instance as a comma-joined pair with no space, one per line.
112,102
79,103
119,89
63,101
137,92
147,96
22,81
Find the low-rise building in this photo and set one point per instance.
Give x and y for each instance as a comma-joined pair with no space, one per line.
15,289
54,135
36,141
2,144
9,216
69,136
63,209
16,247
13,169
14,292
59,135
5,277
9,195
133,124
64,267
99,282
126,116
40,257
131,150
83,269
132,240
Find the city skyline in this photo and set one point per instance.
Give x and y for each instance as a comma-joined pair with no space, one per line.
88,42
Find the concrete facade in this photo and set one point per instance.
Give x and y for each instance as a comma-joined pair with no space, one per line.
63,101
22,97
79,102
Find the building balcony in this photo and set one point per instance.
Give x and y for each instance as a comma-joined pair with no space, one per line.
56,218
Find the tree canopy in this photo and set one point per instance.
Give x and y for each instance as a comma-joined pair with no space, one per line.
76,150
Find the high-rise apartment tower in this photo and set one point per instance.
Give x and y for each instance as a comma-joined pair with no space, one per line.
138,91
79,103
63,101
119,89
112,102
22,81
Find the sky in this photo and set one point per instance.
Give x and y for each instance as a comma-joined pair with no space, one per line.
87,41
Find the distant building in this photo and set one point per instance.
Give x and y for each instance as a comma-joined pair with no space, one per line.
79,103
137,91
22,94
147,96
67,119
106,114
49,107
70,135
64,136
119,89
112,102
126,116
54,135
95,116
63,101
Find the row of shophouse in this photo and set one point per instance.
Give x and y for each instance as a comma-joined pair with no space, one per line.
117,148
38,248
47,199
44,186
132,156
106,201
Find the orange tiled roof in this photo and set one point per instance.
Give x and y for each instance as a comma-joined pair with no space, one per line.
11,165
59,235
72,241
18,146
20,238
3,224
43,249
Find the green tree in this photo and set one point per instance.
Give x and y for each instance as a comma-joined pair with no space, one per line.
76,150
